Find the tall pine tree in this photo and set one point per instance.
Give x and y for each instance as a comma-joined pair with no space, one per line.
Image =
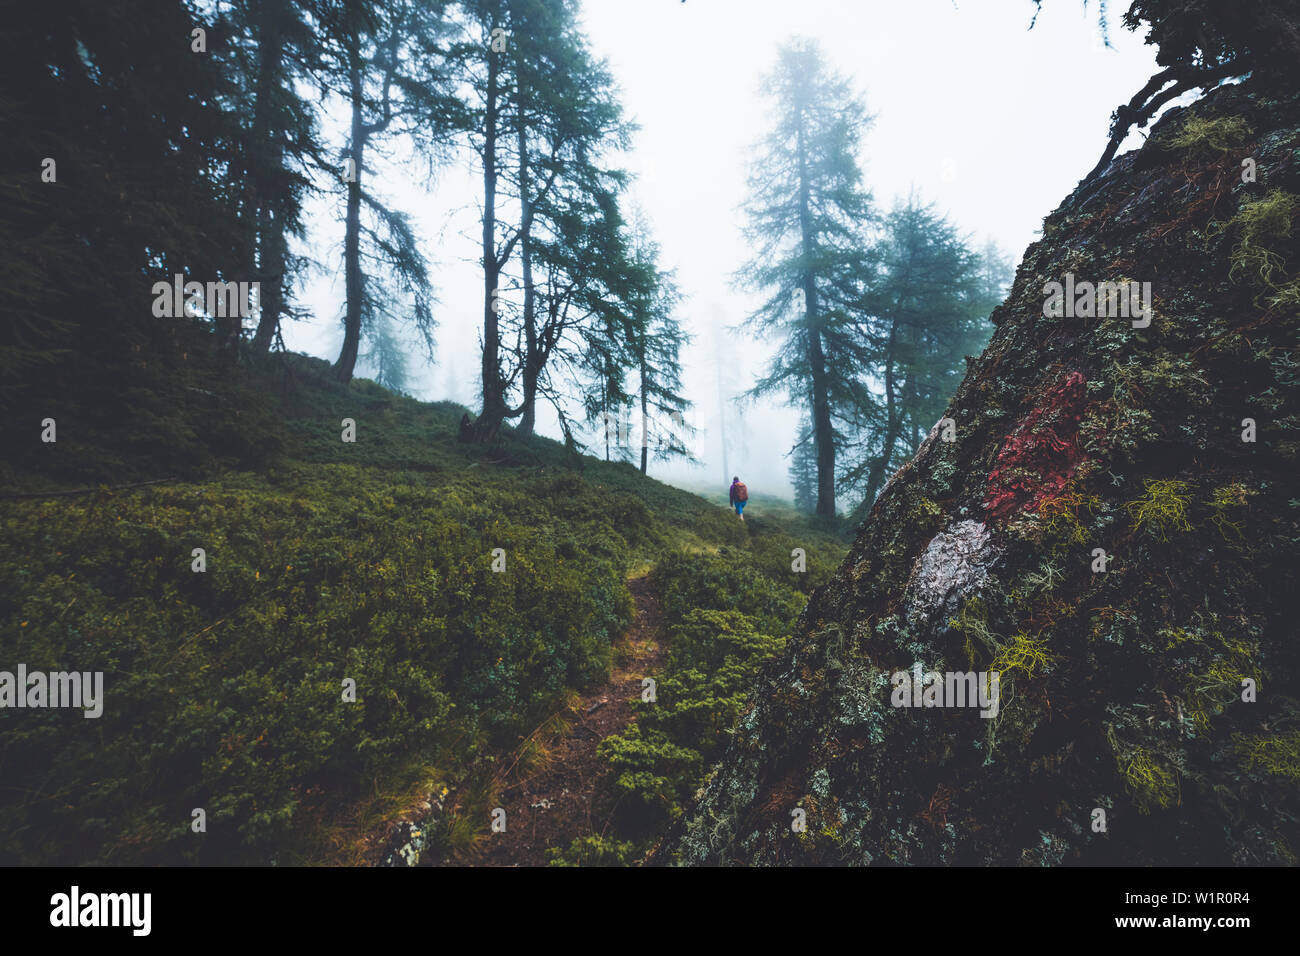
807,213
544,118
388,63
273,49
655,340
929,303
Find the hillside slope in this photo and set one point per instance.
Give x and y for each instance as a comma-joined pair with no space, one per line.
465,591
1125,732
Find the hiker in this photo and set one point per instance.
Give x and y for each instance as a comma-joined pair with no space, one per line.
739,495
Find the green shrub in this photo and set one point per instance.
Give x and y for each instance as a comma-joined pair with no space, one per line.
593,850
224,689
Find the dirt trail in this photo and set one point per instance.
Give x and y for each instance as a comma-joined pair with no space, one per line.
564,799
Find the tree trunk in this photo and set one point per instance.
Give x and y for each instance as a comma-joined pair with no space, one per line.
604,400
645,431
528,417
270,229
880,468
823,431
895,404
822,428
354,281
493,412
533,360
274,253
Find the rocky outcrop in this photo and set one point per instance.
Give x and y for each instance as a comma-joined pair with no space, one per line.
410,843
1113,530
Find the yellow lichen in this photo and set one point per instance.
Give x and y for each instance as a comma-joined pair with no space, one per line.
1059,516
1210,692
1151,783
1224,505
1022,653
1278,755
1162,509
972,620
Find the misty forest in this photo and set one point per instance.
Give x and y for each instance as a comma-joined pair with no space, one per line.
382,484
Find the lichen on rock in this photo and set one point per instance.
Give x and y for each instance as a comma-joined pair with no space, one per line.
953,566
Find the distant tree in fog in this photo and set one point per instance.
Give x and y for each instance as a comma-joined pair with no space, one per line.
803,468
929,308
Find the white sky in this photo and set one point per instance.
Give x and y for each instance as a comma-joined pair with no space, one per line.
992,122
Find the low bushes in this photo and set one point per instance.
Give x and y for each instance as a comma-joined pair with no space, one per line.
224,689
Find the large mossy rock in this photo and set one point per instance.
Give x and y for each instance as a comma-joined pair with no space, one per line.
1121,690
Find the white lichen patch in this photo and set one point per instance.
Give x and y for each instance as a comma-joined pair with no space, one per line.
953,567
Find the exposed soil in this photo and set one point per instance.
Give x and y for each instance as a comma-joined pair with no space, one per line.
564,798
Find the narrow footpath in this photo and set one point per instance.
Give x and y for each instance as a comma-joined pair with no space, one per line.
564,799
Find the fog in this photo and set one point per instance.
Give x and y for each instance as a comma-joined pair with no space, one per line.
931,71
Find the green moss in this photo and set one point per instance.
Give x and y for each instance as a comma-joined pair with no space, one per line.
1167,379
227,683
594,850
1261,225
1209,138
919,514
927,510
725,616
371,562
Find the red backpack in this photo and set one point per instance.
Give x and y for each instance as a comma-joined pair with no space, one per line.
742,493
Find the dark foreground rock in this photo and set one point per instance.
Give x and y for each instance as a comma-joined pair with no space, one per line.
1125,730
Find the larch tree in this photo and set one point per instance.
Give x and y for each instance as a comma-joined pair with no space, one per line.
571,342
568,122
544,120
388,64
807,212
486,65
274,49
929,309
655,339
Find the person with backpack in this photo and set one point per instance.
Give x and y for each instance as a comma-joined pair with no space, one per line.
739,495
